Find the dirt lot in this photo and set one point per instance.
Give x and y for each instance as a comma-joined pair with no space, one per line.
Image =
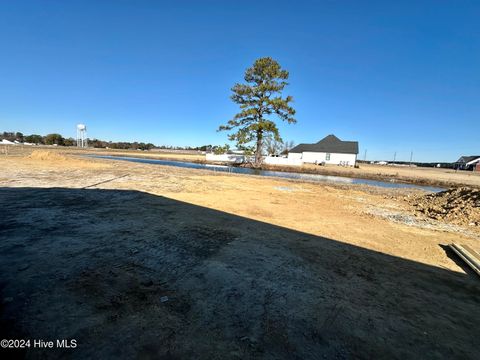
415,175
148,261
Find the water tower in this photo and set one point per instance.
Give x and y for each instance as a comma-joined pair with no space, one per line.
81,135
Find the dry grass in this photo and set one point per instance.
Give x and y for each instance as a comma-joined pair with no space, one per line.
416,175
47,155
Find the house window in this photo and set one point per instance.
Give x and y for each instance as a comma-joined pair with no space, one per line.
327,157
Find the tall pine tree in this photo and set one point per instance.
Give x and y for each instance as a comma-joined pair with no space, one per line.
260,101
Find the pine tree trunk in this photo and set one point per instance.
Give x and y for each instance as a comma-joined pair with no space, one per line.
258,152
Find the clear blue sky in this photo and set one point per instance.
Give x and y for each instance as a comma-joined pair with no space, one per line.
394,75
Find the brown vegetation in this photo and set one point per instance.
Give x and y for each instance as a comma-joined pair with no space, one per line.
47,155
412,175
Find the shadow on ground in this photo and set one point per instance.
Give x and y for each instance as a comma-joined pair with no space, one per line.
129,274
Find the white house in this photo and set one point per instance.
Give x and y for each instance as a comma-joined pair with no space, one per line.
329,150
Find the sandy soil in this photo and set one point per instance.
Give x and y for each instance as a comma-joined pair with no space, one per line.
251,267
415,175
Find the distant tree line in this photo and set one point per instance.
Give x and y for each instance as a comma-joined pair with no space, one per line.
50,139
57,139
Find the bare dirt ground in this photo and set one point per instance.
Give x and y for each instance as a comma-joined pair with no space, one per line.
149,261
460,206
415,175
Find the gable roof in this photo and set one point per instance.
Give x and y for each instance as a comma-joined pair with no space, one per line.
467,159
329,144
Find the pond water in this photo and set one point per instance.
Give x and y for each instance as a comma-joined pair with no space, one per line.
280,174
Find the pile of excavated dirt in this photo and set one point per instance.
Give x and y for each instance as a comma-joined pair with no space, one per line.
459,206
47,155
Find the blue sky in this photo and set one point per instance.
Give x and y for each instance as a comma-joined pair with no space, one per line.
398,76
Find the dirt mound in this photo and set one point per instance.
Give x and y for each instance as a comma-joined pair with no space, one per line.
459,206
47,155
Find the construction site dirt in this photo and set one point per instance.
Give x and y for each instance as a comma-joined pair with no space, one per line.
136,260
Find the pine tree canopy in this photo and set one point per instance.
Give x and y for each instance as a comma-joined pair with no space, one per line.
260,102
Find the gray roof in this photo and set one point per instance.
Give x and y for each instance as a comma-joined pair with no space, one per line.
467,159
329,144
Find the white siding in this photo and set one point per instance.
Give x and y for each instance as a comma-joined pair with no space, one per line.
319,157
272,160
295,156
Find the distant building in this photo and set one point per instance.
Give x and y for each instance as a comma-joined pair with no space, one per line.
329,150
467,162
